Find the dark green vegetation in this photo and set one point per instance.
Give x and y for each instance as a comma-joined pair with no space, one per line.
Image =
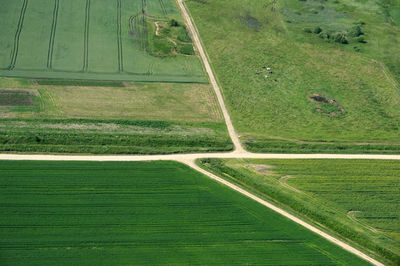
144,118
169,38
120,213
90,40
15,98
66,82
111,136
350,54
359,199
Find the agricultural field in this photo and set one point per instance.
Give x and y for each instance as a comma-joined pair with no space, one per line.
61,213
307,76
96,40
358,199
109,117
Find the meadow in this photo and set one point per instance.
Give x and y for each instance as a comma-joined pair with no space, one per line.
123,118
124,213
358,199
307,76
89,40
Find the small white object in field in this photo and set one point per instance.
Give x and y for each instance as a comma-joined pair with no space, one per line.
268,68
266,76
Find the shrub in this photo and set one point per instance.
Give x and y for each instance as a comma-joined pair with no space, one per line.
308,30
361,39
324,35
317,30
356,31
173,23
340,37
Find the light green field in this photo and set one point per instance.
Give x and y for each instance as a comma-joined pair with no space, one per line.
359,199
91,39
276,113
110,117
120,213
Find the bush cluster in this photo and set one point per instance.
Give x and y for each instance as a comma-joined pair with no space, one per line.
356,33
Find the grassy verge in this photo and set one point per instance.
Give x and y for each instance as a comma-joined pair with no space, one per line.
119,213
290,81
355,198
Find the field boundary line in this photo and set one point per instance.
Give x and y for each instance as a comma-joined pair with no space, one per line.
119,37
284,213
196,39
52,34
17,35
86,37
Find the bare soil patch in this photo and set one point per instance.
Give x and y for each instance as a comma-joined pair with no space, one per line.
327,106
14,98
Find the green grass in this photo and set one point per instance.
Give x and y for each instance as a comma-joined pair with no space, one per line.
141,118
124,213
274,113
111,136
87,40
356,198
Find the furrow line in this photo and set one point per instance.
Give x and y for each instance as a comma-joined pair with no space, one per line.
86,38
119,36
52,35
17,35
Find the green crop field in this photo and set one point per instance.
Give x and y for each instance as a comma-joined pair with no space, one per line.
136,213
359,199
333,83
93,40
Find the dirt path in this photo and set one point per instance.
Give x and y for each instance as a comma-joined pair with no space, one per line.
352,216
283,182
196,40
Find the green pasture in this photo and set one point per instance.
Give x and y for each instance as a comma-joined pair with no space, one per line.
301,43
90,40
359,199
72,116
124,213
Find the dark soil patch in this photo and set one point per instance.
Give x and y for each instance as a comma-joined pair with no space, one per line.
251,22
15,98
327,106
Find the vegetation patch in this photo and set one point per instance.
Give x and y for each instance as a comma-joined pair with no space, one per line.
63,82
356,198
11,98
251,21
120,213
169,38
327,106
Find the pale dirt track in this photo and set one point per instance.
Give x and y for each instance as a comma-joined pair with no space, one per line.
238,153
196,40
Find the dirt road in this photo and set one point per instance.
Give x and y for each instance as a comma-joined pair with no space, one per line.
196,40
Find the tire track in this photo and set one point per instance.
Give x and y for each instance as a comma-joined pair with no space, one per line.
52,35
119,36
86,38
14,53
163,7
